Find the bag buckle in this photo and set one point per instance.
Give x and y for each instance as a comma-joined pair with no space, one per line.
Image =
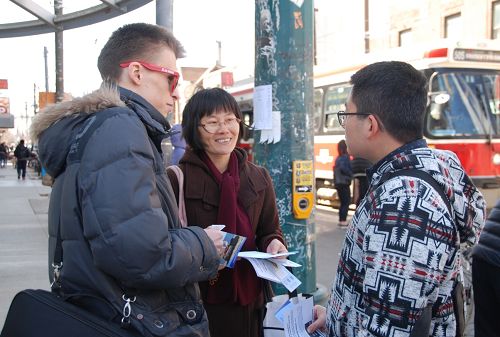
56,274
127,310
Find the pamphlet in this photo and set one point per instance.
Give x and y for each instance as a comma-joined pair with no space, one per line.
268,267
296,315
232,246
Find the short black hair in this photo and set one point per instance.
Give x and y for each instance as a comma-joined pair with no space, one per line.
204,103
342,148
136,41
396,93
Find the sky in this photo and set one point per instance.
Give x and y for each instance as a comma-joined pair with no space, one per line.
22,60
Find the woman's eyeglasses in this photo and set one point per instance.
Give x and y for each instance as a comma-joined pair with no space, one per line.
213,127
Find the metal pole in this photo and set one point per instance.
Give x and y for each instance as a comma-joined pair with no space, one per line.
367,26
45,53
164,14
59,43
35,105
284,59
219,48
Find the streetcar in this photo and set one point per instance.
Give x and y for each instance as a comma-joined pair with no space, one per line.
463,112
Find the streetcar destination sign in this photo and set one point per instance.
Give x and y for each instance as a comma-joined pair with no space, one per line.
477,55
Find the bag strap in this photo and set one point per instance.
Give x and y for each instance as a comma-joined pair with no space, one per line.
427,177
422,326
182,206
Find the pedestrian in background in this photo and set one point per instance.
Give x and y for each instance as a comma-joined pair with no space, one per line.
360,181
125,255
342,177
22,154
486,277
400,257
4,155
221,186
178,143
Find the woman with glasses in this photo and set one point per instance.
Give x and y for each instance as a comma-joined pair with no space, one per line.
222,187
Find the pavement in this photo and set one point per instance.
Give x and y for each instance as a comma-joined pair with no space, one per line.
23,238
23,235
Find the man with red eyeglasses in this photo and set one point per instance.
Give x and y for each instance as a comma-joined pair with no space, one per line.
116,245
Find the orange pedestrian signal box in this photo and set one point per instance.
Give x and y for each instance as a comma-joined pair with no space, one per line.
303,184
46,98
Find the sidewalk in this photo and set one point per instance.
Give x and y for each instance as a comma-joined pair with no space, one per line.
23,235
23,238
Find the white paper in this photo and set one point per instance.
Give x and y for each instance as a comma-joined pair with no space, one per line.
261,255
272,136
217,227
276,126
297,317
263,269
298,2
262,107
285,262
275,272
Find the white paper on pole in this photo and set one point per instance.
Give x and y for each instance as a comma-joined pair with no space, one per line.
263,107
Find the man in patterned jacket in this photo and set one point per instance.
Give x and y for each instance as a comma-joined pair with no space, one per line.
400,254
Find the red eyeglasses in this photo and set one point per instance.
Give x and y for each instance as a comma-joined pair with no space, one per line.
173,78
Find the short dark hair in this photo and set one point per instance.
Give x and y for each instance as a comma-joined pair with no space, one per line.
136,41
342,148
204,103
396,93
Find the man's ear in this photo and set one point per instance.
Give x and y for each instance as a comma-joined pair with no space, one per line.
373,126
134,74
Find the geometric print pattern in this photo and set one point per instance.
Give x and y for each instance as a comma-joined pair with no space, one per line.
401,249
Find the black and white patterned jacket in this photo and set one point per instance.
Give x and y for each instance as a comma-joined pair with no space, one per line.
400,251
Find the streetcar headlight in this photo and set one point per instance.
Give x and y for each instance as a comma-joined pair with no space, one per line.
496,159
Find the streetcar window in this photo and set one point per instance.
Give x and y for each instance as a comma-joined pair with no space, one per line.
463,103
335,99
318,108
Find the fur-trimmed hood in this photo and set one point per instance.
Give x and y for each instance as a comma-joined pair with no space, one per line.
55,126
105,97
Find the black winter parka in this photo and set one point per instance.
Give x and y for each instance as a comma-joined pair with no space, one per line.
119,219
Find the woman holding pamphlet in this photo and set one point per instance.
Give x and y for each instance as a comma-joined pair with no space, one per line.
222,187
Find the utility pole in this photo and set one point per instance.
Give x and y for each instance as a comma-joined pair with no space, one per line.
164,14
219,49
35,105
45,54
59,43
284,60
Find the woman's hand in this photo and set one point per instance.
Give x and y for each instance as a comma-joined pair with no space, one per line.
319,319
276,247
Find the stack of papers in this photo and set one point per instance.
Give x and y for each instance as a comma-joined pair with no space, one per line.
269,267
296,315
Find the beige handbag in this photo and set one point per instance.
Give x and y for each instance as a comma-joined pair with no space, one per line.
182,207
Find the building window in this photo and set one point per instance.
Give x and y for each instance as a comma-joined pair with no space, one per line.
405,38
453,26
495,20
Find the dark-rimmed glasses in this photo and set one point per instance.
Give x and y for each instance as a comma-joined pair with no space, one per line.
213,127
173,78
342,116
